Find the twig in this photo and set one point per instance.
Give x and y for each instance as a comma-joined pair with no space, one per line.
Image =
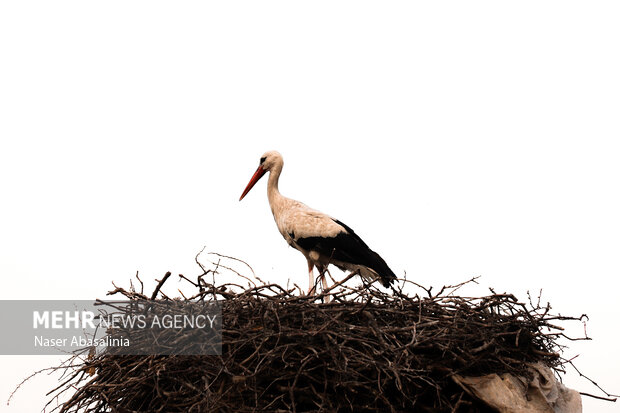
159,285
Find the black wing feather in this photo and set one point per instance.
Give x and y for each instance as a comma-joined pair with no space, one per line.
349,247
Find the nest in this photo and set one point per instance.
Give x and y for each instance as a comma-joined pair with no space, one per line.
365,350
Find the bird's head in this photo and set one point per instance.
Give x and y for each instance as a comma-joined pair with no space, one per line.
270,161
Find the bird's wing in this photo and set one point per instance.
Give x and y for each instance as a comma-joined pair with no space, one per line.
347,247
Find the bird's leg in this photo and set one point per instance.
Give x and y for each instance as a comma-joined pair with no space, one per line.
325,286
330,276
312,287
323,280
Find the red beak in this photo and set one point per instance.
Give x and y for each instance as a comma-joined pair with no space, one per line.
257,175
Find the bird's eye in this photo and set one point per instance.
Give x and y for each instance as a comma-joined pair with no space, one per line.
262,160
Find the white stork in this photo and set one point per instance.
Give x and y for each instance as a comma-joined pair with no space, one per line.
322,239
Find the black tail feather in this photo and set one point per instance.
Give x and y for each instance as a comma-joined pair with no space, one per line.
369,258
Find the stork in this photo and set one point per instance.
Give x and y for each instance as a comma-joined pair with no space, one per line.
323,240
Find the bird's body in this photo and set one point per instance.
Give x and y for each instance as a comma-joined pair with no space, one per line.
322,239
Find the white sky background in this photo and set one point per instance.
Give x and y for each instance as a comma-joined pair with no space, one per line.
457,138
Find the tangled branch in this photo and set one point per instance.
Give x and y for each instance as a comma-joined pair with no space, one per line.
365,350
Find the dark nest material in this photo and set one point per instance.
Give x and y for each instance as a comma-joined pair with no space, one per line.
366,350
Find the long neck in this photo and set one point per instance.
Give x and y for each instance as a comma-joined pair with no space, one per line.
273,194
